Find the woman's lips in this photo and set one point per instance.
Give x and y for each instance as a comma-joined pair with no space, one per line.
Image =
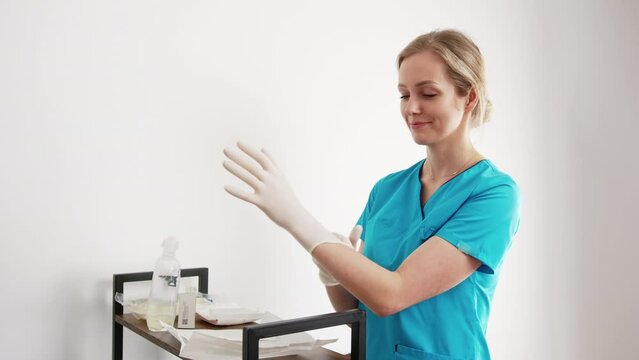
417,125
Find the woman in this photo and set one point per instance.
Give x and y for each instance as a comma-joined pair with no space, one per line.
434,235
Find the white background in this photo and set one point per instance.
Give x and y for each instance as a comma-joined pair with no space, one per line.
114,114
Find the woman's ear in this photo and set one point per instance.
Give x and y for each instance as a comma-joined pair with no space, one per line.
471,100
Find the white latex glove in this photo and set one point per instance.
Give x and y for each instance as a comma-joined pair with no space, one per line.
352,242
273,195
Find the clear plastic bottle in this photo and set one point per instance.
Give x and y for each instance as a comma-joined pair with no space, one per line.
164,288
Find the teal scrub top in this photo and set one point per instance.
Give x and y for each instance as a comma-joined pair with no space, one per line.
477,211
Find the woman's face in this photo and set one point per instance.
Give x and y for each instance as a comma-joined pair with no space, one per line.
430,105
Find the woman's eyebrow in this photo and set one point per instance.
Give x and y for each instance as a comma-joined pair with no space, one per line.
421,83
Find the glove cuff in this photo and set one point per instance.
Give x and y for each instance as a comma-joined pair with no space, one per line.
327,279
336,241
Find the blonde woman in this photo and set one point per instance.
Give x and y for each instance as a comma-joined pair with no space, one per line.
433,236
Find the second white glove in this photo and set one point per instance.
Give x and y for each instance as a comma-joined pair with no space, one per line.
353,242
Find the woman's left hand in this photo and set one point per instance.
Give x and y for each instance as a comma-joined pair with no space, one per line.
353,241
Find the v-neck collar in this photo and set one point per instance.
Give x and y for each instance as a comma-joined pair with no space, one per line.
420,186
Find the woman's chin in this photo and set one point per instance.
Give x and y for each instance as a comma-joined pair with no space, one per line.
421,140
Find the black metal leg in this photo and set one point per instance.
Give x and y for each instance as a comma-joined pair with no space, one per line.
358,339
116,341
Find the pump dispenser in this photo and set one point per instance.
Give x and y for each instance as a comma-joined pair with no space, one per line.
162,303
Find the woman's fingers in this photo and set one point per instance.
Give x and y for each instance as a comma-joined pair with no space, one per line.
244,162
268,155
240,194
242,174
257,170
341,237
258,156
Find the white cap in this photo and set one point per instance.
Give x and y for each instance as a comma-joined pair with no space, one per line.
170,245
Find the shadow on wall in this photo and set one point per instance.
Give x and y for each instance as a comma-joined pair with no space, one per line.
591,179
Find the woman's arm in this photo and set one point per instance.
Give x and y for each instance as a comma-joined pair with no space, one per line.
433,268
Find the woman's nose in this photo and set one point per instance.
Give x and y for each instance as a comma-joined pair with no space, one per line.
413,106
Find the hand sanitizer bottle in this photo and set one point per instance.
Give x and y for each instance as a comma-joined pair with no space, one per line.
162,303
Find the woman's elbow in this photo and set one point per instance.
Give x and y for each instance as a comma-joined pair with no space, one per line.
386,308
391,302
384,312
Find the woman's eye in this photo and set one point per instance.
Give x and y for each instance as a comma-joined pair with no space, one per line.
404,97
430,95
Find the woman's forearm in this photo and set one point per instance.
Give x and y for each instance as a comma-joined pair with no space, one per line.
340,298
372,284
368,282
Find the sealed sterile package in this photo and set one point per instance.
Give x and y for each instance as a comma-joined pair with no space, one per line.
228,313
136,307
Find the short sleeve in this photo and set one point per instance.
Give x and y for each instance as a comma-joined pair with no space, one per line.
483,227
363,219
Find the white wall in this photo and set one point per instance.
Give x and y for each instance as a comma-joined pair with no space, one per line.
113,115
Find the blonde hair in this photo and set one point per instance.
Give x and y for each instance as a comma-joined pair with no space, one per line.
465,66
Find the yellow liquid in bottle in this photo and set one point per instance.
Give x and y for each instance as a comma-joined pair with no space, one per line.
158,311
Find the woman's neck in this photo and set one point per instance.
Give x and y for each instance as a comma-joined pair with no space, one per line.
447,161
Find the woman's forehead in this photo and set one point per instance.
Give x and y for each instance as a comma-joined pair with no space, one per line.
423,68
